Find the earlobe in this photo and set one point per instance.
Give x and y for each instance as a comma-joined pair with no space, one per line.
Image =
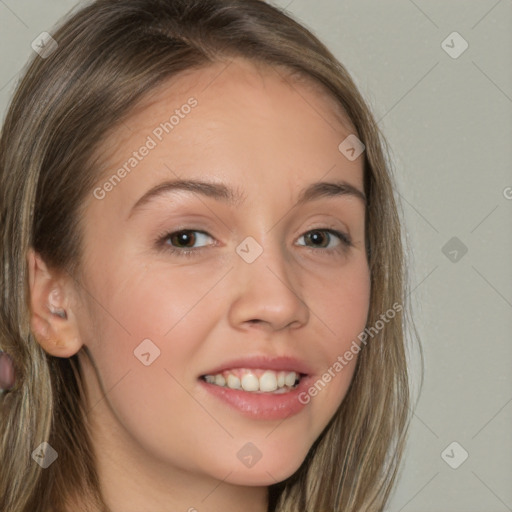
52,321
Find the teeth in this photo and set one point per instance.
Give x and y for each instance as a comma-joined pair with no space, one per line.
234,382
268,381
264,381
220,380
250,382
289,380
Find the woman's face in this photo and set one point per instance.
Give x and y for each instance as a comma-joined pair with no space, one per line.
237,278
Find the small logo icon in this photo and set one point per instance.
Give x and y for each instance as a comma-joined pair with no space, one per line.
44,45
249,455
249,249
454,455
44,455
351,147
454,45
146,352
454,249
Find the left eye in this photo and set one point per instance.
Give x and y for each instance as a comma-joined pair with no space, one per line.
322,238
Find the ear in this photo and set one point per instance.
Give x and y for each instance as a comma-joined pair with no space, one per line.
52,313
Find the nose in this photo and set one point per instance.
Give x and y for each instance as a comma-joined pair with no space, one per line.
267,294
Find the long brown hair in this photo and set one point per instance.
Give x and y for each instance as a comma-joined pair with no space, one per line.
110,55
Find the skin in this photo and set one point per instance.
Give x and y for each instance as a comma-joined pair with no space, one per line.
162,442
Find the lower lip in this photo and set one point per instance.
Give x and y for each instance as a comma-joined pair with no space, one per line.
263,406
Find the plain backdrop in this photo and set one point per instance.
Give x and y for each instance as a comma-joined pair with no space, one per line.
444,102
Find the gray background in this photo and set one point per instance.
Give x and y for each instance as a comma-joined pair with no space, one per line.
449,123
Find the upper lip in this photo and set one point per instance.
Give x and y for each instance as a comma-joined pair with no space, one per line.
285,363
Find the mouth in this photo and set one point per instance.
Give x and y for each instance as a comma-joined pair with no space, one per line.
260,387
256,380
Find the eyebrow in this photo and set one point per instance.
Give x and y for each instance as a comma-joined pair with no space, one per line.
234,197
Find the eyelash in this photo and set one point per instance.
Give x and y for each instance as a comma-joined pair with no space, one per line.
184,252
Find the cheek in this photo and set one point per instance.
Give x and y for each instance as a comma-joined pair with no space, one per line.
142,330
342,306
146,335
137,301
343,303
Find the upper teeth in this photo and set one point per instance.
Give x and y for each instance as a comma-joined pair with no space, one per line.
254,380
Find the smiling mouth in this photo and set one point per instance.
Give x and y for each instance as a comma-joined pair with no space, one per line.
255,380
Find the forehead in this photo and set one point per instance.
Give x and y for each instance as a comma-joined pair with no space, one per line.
257,79
236,85
251,124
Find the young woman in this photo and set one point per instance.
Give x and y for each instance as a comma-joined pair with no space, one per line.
202,271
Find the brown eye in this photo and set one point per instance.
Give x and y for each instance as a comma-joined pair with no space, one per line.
183,239
323,238
318,238
184,242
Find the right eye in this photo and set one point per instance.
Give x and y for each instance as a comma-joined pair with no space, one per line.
183,242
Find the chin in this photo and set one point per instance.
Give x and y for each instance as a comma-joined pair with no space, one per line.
265,473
